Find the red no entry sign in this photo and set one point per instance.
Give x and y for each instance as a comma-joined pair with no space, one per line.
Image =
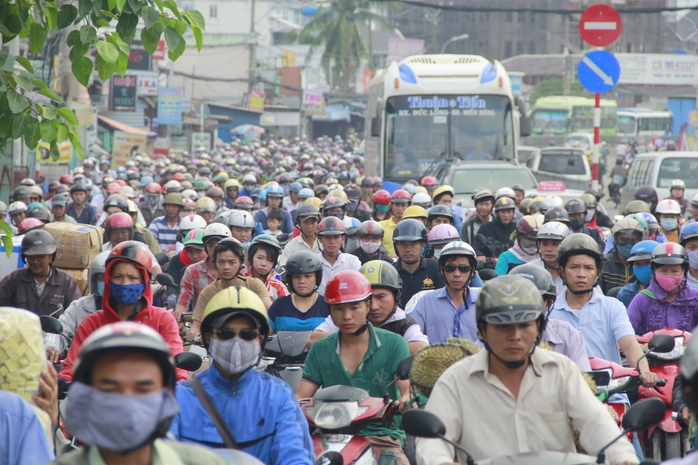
600,25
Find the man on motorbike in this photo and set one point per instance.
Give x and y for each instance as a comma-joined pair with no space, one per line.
260,412
512,398
619,176
358,355
121,402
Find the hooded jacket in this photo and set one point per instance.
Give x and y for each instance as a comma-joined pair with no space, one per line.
650,314
494,237
157,318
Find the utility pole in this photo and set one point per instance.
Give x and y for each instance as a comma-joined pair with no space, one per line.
251,43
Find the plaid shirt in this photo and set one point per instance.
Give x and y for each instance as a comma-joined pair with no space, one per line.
273,283
165,234
196,277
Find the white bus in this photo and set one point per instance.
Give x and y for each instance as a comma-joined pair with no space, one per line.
643,123
429,109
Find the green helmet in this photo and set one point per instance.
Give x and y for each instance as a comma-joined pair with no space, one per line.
578,244
637,206
509,300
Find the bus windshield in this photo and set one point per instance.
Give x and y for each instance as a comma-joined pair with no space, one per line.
626,124
550,121
420,129
467,180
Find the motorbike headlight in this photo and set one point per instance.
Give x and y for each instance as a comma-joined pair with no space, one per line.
676,353
618,383
336,415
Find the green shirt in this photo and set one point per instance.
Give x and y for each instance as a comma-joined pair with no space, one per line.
386,350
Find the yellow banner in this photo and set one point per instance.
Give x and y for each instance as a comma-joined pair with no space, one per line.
43,152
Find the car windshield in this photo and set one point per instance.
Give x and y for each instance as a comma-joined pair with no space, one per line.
562,163
550,121
678,168
466,180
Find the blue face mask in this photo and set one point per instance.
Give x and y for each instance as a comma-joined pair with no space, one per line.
669,224
624,250
100,288
126,294
643,273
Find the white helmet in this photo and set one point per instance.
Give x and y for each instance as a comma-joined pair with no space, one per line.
132,207
241,219
191,222
97,266
505,192
17,207
669,207
190,194
249,178
551,201
216,230
128,191
553,230
422,200
677,184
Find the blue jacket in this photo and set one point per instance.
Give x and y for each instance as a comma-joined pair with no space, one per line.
260,216
627,292
261,412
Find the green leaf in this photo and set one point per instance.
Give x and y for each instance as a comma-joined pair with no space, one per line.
16,101
68,115
135,5
107,51
78,52
87,34
3,58
66,16
150,16
198,37
82,69
111,4
176,53
25,64
7,238
120,5
197,18
32,134
47,111
62,134
173,7
106,69
75,140
84,7
172,38
122,64
51,17
37,37
24,82
121,45
46,92
55,151
49,131
6,125
73,38
150,39
11,23
20,123
126,27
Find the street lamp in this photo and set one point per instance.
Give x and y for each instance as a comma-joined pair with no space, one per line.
453,39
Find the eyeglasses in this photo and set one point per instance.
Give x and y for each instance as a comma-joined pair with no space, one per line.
247,334
462,268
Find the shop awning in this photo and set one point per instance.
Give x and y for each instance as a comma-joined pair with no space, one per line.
119,126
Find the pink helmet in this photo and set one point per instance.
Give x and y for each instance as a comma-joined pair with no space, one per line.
442,234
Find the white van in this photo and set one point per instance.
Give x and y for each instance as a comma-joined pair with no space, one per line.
658,169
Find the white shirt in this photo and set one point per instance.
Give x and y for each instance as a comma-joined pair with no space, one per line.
559,287
345,261
295,245
482,416
413,333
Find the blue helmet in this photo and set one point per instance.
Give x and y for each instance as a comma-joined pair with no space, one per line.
145,180
306,193
642,251
120,169
274,191
295,187
689,231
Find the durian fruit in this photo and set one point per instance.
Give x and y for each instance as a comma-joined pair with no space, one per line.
432,361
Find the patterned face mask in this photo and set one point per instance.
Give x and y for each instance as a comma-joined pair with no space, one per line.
126,294
235,355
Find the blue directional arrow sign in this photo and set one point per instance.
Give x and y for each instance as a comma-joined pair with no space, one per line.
598,71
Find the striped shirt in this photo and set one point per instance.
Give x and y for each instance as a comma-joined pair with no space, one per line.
165,234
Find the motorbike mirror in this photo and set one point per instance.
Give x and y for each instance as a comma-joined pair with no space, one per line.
403,369
644,414
283,238
661,343
422,424
188,361
51,325
166,280
487,274
330,457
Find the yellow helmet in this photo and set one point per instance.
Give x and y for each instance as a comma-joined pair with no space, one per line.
231,162
340,194
205,205
443,190
330,181
415,212
314,201
232,183
236,299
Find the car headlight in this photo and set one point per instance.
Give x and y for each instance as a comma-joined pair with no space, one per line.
676,353
618,383
336,415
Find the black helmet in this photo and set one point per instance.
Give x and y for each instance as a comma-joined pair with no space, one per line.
382,274
575,206
507,300
648,195
540,277
39,212
306,210
78,187
579,244
557,214
440,210
482,195
302,262
410,230
116,201
22,192
38,242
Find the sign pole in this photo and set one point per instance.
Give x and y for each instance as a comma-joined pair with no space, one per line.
597,141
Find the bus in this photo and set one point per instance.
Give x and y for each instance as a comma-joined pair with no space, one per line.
428,110
643,123
559,115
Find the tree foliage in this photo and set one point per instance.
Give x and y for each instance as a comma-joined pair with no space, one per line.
107,26
556,86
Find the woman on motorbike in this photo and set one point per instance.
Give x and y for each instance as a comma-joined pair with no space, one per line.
263,256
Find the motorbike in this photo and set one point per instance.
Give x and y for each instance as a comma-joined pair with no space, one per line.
284,355
669,439
338,413
640,416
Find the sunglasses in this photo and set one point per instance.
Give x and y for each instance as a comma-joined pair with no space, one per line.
247,334
462,268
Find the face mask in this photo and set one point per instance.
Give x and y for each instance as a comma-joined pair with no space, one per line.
693,259
669,224
100,288
590,215
576,224
352,206
668,283
369,247
624,250
437,253
235,355
151,200
286,189
126,294
130,424
219,205
643,274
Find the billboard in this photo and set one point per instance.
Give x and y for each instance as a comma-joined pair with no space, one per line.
170,105
122,95
657,69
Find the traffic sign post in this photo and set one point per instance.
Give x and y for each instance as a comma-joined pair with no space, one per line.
599,71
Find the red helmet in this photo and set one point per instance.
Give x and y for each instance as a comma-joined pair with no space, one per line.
401,196
381,197
348,286
29,224
120,182
331,226
428,181
113,188
119,220
179,177
244,202
153,188
134,252
67,179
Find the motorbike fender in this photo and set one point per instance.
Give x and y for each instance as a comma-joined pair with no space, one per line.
668,424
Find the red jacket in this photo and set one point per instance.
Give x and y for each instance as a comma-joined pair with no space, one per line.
157,318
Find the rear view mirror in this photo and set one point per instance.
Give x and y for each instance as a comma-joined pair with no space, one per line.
403,369
662,343
487,274
422,424
166,280
188,361
330,457
50,325
644,414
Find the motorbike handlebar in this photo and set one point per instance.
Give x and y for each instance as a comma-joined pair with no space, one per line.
661,382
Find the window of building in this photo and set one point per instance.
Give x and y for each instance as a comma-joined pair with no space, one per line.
629,47
519,48
531,47
533,17
213,11
507,49
510,16
520,17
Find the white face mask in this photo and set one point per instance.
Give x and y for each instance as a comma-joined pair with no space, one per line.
369,247
590,215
